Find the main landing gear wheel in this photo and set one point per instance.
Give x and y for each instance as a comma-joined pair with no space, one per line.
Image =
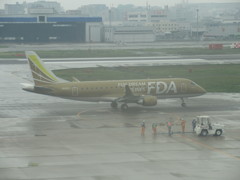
114,104
124,107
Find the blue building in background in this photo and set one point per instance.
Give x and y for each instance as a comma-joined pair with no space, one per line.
43,28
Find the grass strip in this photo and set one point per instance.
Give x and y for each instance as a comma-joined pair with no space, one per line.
122,52
214,78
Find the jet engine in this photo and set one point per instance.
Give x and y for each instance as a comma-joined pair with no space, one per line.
148,101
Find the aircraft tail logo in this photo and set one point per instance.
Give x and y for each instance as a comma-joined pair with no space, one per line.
41,75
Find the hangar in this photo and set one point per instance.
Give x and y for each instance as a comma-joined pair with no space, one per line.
45,29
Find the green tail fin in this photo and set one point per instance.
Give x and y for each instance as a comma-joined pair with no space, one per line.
41,75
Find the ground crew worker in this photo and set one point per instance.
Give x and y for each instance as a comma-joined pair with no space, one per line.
154,128
143,128
194,124
169,125
183,124
209,125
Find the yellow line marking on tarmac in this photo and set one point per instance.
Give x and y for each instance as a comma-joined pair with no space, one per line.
205,145
210,147
79,113
182,136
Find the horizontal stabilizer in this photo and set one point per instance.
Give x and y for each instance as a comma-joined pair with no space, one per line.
36,89
75,79
28,87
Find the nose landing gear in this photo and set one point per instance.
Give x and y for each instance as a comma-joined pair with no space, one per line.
183,103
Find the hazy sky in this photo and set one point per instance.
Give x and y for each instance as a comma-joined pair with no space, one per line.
74,4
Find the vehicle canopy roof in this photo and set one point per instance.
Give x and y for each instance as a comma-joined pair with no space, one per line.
203,119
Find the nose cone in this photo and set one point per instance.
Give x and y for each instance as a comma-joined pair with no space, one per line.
201,90
196,89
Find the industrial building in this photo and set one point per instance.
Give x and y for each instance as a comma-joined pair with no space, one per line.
43,27
126,34
228,29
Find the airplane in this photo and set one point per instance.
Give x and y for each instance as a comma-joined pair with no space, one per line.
144,92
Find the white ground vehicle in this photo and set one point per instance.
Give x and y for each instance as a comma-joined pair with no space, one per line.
205,127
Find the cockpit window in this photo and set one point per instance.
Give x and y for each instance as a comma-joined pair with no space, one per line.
193,83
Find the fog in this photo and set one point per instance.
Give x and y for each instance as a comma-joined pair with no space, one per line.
73,4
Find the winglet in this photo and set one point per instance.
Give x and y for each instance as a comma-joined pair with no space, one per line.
128,91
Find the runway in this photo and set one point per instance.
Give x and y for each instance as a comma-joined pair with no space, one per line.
62,63
50,138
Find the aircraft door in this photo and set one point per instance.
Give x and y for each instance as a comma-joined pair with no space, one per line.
183,88
74,91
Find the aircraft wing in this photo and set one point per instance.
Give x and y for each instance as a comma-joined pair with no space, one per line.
129,97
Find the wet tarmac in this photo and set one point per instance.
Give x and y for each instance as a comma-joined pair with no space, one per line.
49,138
